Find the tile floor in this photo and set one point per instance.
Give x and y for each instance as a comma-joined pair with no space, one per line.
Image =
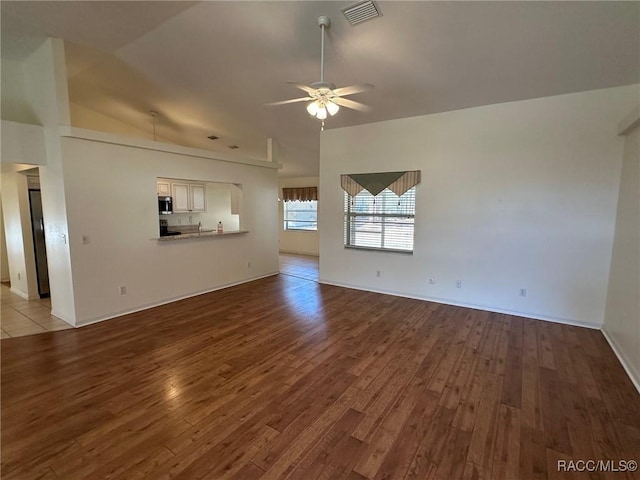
303,266
20,317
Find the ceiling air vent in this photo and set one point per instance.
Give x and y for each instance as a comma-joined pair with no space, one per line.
212,137
361,12
233,147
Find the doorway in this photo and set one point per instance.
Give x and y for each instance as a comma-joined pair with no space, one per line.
296,265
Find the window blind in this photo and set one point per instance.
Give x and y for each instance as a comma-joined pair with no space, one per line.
381,222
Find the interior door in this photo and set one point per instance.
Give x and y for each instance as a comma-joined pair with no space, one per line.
39,245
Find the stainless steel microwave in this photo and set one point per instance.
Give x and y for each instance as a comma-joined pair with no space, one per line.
165,205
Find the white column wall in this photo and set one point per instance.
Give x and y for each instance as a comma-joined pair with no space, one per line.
47,95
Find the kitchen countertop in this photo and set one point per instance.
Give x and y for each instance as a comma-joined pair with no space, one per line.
203,234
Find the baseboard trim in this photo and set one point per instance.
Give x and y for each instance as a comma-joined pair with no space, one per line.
20,293
174,299
306,254
446,301
61,317
626,364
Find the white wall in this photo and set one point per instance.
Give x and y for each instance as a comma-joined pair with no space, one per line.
514,195
23,143
622,318
15,106
112,200
297,241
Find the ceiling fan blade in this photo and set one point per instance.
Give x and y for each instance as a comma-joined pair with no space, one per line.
345,102
293,100
301,86
342,91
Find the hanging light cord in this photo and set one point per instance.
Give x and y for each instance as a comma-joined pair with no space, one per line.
322,27
154,114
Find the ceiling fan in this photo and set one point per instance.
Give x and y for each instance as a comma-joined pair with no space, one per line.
324,97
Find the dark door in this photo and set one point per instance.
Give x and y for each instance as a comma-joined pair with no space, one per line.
37,226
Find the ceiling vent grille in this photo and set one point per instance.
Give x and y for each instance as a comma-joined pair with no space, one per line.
361,12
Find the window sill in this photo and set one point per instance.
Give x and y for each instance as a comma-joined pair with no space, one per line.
372,249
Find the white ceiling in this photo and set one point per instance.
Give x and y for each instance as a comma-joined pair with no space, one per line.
209,67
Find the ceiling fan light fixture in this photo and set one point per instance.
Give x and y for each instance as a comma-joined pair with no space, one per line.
313,108
323,98
322,113
332,108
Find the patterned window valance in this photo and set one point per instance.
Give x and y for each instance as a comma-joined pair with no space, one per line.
374,183
301,194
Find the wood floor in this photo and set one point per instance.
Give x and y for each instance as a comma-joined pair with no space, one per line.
284,378
303,266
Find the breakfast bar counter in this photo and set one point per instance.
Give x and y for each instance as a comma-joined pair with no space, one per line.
203,234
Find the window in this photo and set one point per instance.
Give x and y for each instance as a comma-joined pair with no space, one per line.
383,222
301,215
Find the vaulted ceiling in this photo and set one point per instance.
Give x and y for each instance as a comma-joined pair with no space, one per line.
208,68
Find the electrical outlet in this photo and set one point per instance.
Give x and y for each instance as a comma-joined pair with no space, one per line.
248,264
458,283
85,239
19,276
523,292
432,281
123,290
378,273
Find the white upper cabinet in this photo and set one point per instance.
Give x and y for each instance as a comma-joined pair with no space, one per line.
198,195
180,194
188,197
164,188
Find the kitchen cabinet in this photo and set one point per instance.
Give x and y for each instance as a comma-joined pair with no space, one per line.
188,197
198,202
164,188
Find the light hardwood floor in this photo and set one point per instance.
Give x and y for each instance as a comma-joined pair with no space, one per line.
303,266
285,378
